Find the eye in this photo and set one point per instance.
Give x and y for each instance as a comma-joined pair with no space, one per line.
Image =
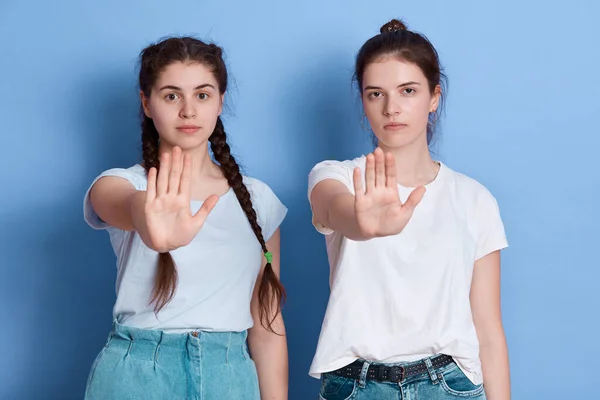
410,91
203,96
171,97
374,95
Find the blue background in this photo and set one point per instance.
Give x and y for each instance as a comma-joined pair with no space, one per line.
521,117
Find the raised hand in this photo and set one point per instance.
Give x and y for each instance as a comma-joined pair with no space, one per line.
378,209
169,219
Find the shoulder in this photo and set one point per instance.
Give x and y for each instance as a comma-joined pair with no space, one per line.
260,192
347,165
341,171
269,208
136,175
471,187
486,219
255,186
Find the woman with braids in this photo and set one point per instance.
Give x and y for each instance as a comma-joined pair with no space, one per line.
413,246
197,246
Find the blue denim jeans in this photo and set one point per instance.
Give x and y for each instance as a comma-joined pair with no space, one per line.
444,383
150,364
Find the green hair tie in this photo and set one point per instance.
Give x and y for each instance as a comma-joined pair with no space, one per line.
269,257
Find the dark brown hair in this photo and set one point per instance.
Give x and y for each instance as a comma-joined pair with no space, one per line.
153,60
396,40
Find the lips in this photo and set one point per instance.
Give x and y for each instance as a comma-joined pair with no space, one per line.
394,126
188,128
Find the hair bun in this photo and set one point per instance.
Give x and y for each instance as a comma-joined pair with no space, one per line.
393,26
216,49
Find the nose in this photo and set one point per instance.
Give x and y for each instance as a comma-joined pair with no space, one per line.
391,107
188,110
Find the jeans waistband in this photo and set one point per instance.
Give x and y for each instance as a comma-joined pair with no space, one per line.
200,337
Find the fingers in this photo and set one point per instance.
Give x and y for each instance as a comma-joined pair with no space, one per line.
162,183
185,186
203,212
151,186
391,180
370,173
175,173
414,199
379,167
359,192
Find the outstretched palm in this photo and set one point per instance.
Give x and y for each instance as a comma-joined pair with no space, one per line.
169,220
378,209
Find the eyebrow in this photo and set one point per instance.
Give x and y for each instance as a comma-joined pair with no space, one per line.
399,86
171,87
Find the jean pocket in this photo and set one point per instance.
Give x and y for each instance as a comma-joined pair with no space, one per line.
456,383
334,387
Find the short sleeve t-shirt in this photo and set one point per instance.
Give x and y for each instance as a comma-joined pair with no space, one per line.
217,271
406,297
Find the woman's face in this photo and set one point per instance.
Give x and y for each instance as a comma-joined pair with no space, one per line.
184,104
397,101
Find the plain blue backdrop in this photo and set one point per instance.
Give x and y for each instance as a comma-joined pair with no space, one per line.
521,117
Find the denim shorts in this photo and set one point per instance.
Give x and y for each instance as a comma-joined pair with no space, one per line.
445,383
150,364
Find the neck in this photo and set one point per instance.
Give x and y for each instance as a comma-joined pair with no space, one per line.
202,163
414,165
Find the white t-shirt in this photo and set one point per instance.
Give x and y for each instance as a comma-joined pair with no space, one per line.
406,297
217,270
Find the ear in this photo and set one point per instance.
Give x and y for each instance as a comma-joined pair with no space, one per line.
144,101
221,103
435,98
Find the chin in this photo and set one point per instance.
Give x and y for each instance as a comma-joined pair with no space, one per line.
399,139
189,143
395,141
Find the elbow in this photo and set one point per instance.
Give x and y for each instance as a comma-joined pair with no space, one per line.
261,335
492,338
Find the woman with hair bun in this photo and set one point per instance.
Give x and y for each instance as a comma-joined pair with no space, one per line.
413,247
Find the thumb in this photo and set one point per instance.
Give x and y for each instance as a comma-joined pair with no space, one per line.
414,199
203,212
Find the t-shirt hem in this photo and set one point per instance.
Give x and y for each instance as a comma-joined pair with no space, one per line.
490,249
474,376
278,221
316,372
322,229
89,214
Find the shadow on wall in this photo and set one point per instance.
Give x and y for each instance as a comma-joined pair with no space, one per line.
326,121
73,265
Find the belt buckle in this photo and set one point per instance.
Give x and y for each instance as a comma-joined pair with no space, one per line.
397,374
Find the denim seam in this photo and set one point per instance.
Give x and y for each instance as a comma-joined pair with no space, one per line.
94,367
129,348
352,395
200,355
157,350
227,350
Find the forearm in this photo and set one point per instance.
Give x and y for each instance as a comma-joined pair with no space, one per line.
487,317
495,365
341,217
137,202
269,352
